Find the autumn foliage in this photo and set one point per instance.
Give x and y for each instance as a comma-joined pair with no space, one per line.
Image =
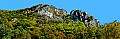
18,25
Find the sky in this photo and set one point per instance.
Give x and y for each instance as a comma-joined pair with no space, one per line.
104,10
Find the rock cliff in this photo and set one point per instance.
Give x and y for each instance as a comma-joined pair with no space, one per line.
50,12
46,11
79,15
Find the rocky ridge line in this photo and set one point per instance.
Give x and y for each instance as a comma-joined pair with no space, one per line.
53,13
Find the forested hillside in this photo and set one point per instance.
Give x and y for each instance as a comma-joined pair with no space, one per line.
48,22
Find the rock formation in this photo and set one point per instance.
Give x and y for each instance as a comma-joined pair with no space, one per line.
46,10
50,12
79,15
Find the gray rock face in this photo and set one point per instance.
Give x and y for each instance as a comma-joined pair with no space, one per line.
48,11
78,15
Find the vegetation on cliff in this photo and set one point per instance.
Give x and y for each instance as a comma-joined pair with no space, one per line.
20,25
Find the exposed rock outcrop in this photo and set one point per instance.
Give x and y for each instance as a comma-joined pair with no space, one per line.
47,10
79,15
50,12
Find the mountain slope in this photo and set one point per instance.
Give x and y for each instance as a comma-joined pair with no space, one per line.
51,12
36,23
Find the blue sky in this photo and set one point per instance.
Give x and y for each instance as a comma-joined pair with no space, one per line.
104,10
